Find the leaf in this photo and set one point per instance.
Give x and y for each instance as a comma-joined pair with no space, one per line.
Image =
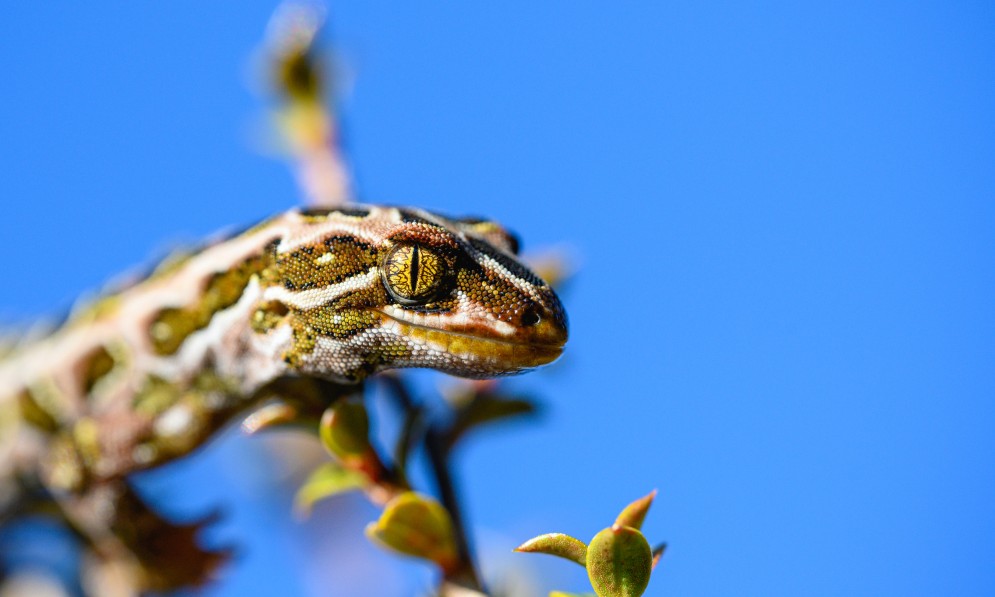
633,514
486,407
419,526
327,480
557,544
658,553
345,429
269,415
619,562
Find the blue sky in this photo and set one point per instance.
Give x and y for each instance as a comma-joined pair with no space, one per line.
783,216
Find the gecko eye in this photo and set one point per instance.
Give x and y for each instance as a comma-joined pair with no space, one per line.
413,274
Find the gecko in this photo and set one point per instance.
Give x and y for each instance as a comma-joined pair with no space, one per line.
308,300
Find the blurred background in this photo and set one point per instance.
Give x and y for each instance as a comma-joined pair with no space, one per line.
782,217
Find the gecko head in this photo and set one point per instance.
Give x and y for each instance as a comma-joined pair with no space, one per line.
389,288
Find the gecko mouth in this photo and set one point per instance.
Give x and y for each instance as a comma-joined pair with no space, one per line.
504,354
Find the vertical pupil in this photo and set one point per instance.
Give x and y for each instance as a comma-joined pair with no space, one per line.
415,258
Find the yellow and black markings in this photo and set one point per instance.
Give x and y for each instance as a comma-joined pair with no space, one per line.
334,261
173,325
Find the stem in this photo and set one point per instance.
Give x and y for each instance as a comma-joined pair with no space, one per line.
435,443
435,446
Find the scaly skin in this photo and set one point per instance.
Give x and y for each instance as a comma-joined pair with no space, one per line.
299,302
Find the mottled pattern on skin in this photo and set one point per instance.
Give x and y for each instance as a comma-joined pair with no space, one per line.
146,374
174,324
45,396
98,309
34,413
95,365
331,261
450,296
155,395
182,417
336,294
321,214
492,232
172,263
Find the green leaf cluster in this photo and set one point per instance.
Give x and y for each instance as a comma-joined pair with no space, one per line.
411,523
618,559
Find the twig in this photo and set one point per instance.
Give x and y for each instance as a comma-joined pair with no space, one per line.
305,117
436,439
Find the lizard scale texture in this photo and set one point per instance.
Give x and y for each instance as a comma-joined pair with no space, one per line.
148,373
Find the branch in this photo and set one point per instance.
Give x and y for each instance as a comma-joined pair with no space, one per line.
436,441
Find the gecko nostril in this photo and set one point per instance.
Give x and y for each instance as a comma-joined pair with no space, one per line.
531,317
